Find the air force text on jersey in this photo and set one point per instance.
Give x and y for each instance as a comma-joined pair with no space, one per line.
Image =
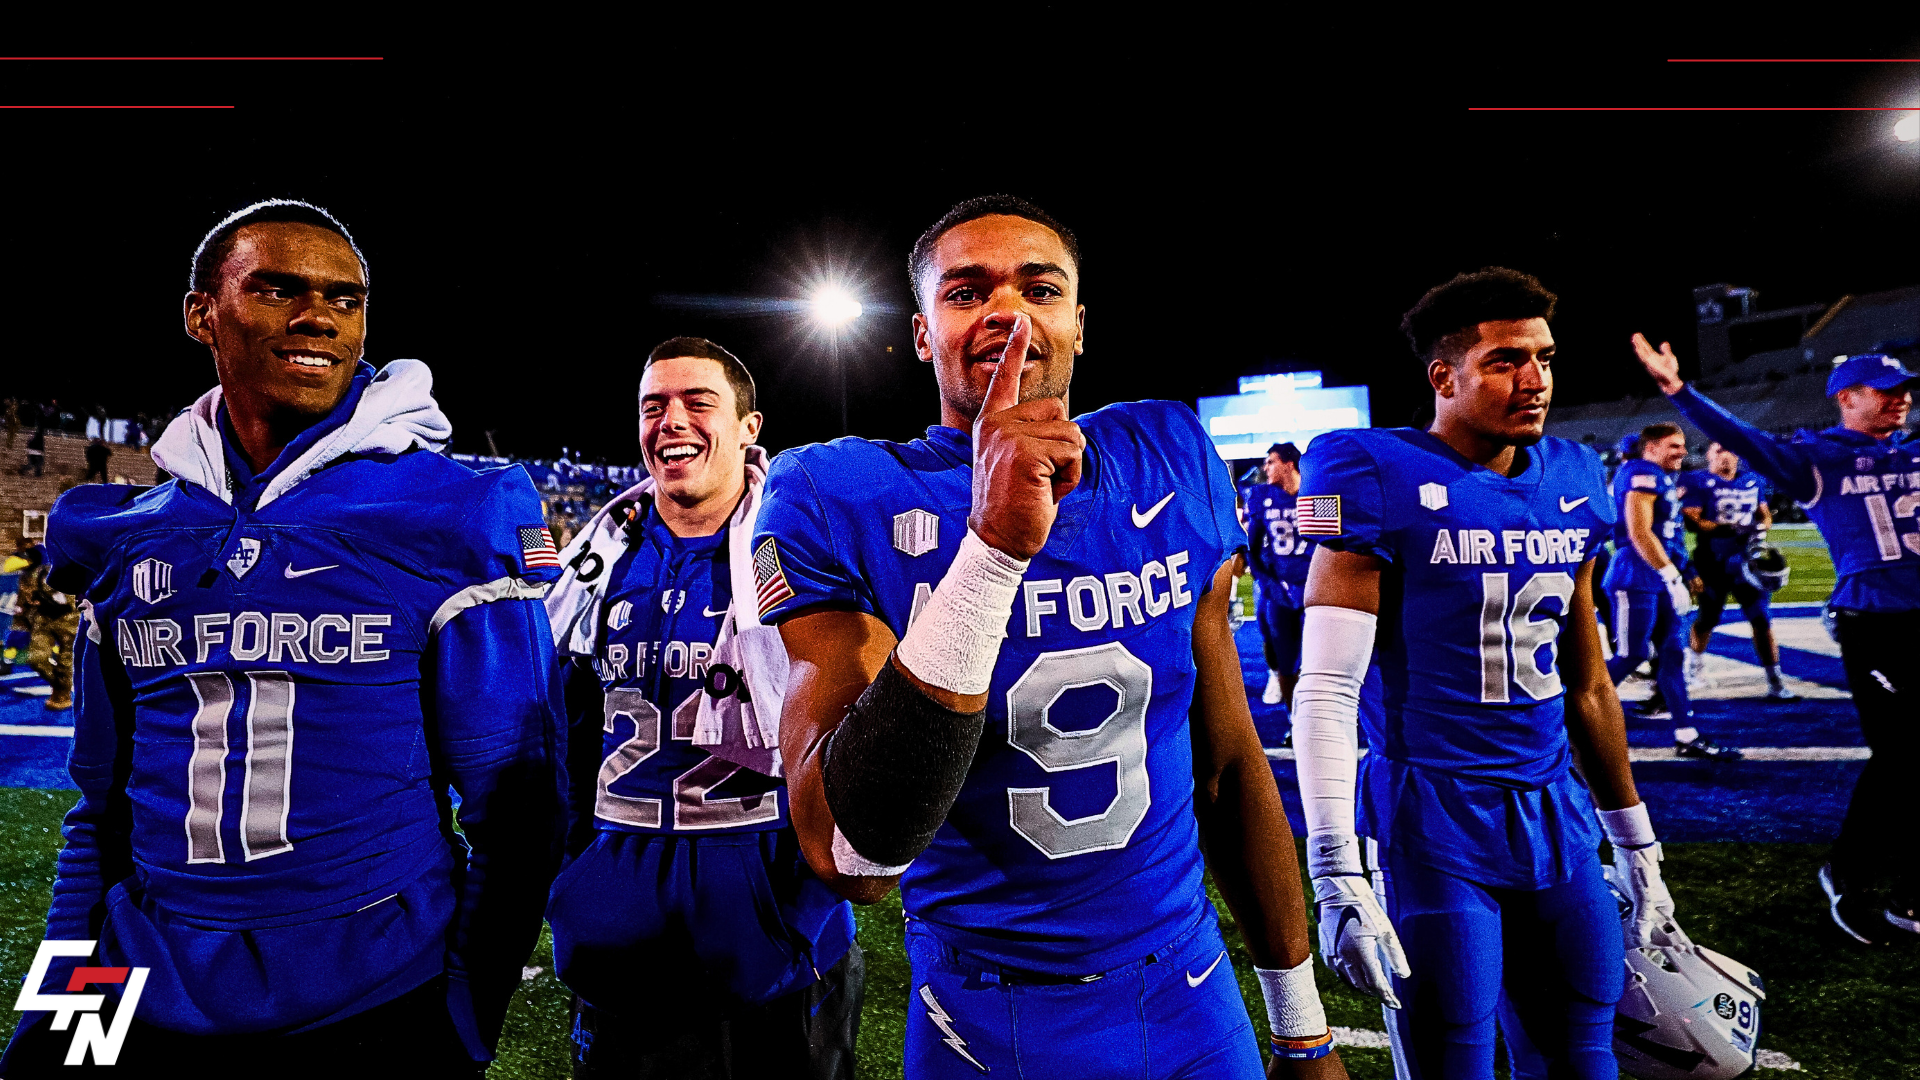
276,637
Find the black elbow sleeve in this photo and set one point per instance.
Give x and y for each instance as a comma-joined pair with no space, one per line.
894,767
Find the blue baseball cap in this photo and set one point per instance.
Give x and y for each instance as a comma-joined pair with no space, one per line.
1878,370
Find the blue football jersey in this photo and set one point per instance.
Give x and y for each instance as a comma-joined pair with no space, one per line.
1629,570
1724,501
1073,847
663,610
1470,759
274,702
1862,493
1276,552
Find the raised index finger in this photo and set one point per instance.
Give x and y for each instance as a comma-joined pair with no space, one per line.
1003,392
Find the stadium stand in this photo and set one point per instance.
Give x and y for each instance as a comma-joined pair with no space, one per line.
25,500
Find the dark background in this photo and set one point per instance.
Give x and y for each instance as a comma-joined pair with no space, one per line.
533,227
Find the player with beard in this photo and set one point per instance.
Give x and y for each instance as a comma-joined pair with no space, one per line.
1458,561
1013,682
294,648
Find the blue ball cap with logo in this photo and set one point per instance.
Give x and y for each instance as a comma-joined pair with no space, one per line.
1878,370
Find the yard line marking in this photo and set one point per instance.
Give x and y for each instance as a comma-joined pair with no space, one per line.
49,731
19,675
1662,753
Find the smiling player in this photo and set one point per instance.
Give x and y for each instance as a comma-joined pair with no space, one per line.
696,939
1058,595
294,648
1459,561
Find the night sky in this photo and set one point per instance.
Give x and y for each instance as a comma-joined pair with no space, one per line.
533,229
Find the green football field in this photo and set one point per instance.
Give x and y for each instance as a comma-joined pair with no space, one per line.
1839,1011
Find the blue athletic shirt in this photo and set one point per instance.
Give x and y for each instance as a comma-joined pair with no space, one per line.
1470,767
1862,493
272,704
1073,847
668,597
1629,569
1276,552
1734,502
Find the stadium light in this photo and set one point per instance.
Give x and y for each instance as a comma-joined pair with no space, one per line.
1908,129
834,306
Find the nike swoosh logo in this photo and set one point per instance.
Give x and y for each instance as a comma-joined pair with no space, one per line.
1567,507
1141,521
1192,980
292,573
710,613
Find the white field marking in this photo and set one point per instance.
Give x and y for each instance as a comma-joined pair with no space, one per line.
528,974
18,676
1661,753
1807,635
1774,1059
48,730
1727,679
43,690
1367,1037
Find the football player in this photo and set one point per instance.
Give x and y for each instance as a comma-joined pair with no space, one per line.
1650,584
688,925
1726,505
1278,556
293,649
1459,561
1013,682
1857,481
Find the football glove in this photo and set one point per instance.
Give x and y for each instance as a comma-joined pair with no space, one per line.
1636,873
1676,589
1356,940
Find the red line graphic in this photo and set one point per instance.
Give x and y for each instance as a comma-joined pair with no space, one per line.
82,977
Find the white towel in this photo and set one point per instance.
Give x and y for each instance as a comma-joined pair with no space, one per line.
743,729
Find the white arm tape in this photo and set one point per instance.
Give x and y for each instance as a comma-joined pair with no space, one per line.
956,640
1336,645
1293,1002
1629,828
1669,574
851,863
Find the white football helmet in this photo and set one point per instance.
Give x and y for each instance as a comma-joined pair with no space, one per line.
1688,1013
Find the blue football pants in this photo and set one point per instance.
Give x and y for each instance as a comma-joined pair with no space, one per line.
1546,966
1644,626
1279,629
1175,1014
657,926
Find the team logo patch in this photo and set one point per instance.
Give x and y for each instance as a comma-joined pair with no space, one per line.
245,557
673,600
1317,515
1433,496
536,548
619,615
152,580
916,532
1863,464
770,581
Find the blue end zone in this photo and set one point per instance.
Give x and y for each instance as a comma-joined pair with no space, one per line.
1691,800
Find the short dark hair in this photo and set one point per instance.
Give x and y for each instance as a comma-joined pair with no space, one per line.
1288,452
1655,432
218,243
1443,324
978,207
737,375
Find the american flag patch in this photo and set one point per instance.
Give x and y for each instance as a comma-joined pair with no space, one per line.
769,578
536,548
1317,515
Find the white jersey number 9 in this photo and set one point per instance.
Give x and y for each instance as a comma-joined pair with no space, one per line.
1120,738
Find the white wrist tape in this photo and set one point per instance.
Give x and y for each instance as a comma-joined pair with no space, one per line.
1670,574
956,640
853,864
1629,828
1293,1002
1336,645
